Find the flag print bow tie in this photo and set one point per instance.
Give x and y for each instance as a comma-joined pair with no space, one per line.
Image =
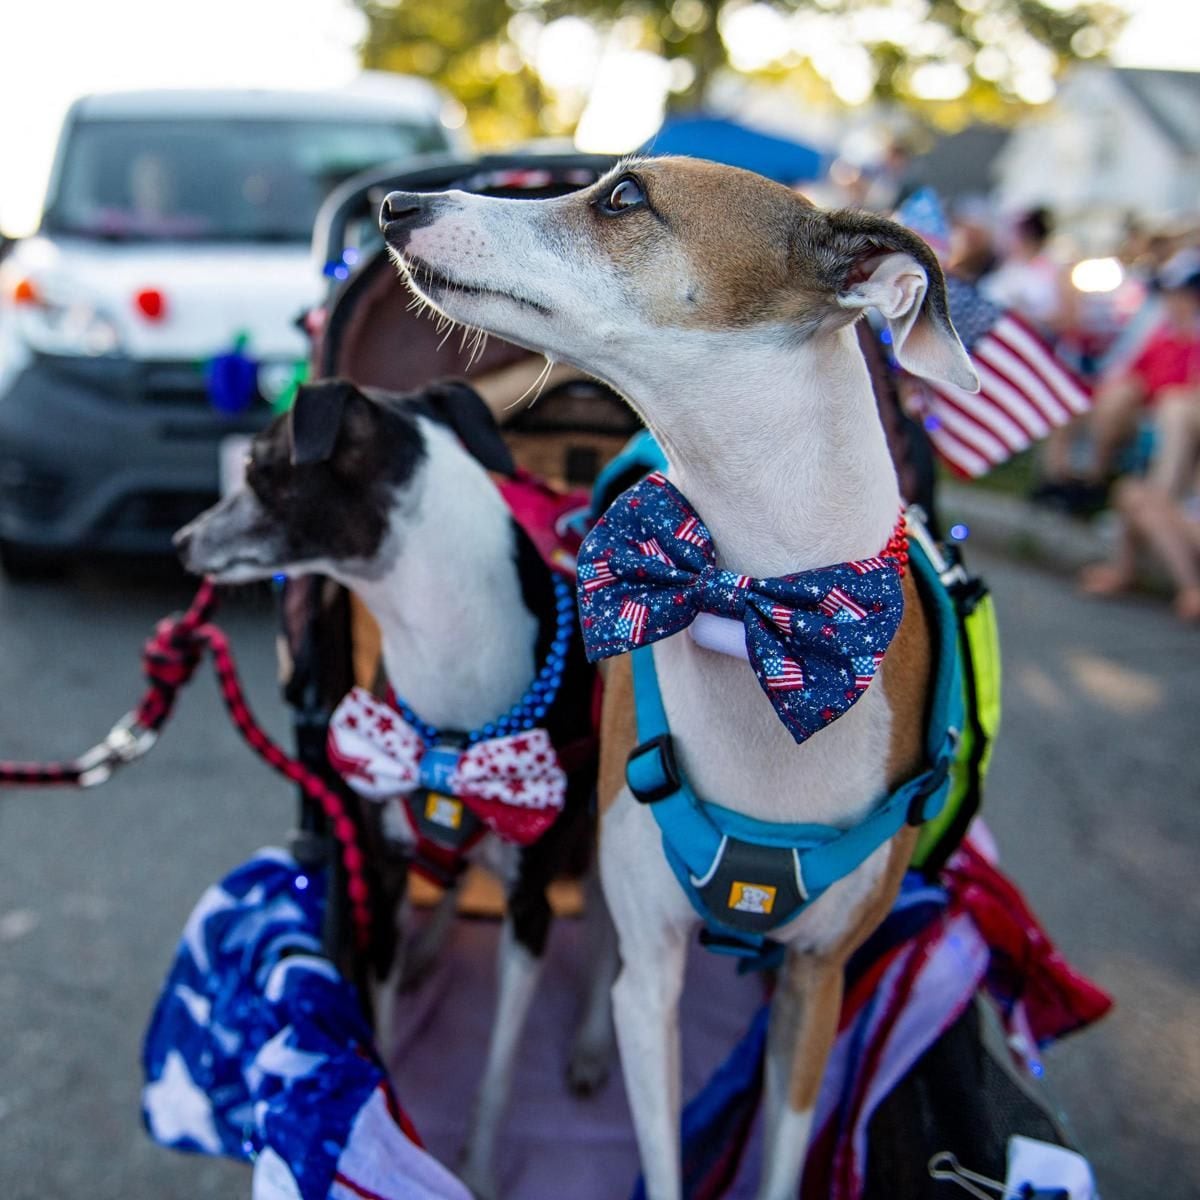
815,639
514,784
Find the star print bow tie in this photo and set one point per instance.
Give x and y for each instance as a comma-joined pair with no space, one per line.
815,639
514,784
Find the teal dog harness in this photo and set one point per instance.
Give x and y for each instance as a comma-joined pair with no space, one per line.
747,878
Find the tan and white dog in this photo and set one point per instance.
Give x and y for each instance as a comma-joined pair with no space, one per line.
721,306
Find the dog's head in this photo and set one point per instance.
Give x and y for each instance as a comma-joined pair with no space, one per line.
328,484
664,247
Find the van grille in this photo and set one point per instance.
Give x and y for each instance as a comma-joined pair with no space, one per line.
180,383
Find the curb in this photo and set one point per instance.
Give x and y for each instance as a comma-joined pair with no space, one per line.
1011,525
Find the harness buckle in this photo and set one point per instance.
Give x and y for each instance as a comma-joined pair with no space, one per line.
670,781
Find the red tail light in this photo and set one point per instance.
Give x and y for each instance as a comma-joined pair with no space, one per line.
151,303
25,291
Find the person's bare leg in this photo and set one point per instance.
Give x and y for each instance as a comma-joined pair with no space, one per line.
1113,421
1056,452
1119,572
1175,539
1177,439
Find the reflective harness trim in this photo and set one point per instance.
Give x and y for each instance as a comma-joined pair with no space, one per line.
747,877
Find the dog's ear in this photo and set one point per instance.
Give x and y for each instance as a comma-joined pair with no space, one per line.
887,267
316,418
460,406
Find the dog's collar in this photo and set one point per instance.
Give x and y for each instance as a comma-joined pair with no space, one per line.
533,706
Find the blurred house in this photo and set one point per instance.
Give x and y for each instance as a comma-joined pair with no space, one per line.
1114,142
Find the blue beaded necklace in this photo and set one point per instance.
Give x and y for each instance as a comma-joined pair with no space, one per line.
538,698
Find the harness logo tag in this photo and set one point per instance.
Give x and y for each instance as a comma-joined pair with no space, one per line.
752,897
443,810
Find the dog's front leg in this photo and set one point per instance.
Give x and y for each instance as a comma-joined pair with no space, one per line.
519,970
654,921
803,1025
425,947
595,1039
386,989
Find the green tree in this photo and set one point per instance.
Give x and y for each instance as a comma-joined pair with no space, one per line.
951,60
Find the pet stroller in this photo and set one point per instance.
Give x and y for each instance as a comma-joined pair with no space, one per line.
961,1095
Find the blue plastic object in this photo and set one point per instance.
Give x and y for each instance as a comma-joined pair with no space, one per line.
719,139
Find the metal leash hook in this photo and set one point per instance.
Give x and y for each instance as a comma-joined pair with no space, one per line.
127,741
944,1166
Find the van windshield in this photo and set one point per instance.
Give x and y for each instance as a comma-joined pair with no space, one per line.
216,179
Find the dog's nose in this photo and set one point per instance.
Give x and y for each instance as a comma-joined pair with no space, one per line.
401,207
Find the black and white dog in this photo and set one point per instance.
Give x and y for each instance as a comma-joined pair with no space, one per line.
391,497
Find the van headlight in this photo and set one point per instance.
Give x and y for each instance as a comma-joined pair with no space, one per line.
57,323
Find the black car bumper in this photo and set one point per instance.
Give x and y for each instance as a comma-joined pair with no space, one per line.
109,454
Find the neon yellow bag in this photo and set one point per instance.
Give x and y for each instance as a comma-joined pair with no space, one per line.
979,650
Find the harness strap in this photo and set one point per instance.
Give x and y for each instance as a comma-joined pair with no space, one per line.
697,835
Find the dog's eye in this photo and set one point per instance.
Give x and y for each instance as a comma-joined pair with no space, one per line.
626,194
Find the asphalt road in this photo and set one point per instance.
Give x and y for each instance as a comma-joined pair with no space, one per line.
1095,800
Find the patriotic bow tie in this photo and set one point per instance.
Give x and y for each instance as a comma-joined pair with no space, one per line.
815,639
514,784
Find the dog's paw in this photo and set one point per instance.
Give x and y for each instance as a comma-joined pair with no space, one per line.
589,1068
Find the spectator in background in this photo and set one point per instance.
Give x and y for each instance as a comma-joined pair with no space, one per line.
1028,281
972,250
1161,513
1161,377
1164,377
1168,528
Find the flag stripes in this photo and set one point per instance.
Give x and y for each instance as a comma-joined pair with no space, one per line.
635,617
595,575
785,675
691,531
1025,391
864,565
651,549
837,600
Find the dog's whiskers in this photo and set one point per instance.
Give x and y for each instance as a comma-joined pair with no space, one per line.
535,388
478,346
473,341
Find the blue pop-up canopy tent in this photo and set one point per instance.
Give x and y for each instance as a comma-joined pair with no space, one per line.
720,139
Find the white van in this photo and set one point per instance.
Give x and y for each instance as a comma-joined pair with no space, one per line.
153,314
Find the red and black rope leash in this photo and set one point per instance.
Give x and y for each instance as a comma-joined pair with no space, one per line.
169,660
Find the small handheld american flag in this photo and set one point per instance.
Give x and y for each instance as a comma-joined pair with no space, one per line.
1025,390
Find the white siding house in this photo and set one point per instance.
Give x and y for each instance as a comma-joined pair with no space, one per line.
1113,142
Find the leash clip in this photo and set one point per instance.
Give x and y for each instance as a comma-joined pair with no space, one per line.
944,1166
126,742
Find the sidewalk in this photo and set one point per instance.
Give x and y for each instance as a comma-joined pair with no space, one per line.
1012,525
